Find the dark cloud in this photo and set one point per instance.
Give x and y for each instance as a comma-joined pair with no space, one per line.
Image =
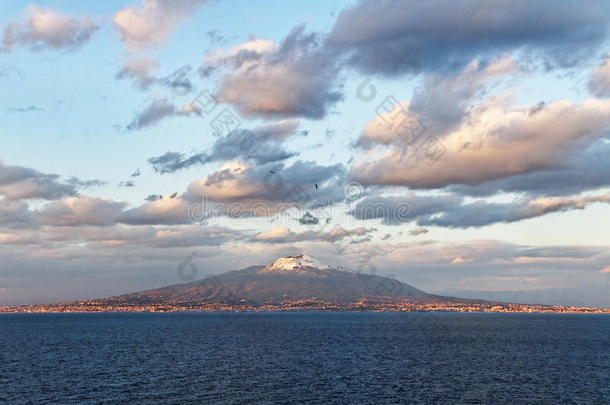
599,82
452,211
215,37
481,213
178,81
78,183
153,197
30,108
395,210
127,183
137,173
244,144
396,37
171,162
261,145
584,170
18,182
443,100
152,114
15,214
308,219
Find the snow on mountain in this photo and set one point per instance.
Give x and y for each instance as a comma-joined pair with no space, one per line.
295,263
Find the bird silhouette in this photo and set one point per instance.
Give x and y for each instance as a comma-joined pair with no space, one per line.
316,186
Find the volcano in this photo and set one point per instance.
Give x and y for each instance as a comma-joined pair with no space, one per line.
288,279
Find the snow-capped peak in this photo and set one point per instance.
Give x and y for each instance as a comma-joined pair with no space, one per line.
291,263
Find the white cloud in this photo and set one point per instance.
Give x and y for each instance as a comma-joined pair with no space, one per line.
150,25
46,28
276,234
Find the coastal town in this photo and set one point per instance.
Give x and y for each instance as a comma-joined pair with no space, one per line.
119,304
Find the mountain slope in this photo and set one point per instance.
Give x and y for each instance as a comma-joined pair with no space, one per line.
289,278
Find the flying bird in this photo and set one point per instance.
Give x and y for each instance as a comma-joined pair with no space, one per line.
173,195
316,186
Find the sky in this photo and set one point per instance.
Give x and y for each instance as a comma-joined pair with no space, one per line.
454,145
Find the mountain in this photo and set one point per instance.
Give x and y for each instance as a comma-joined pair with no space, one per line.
289,283
292,278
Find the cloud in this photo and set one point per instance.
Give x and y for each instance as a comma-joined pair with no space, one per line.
452,211
295,79
308,219
153,197
30,108
15,214
139,69
17,182
497,140
395,210
171,162
234,58
48,29
166,210
397,37
78,183
584,170
418,231
127,183
74,211
150,25
462,260
193,236
261,145
482,213
442,100
279,234
239,190
284,235
152,114
599,82
605,270
270,184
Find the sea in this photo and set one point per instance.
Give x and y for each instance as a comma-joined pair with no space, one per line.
296,358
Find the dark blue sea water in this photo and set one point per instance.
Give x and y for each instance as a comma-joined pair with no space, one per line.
305,358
